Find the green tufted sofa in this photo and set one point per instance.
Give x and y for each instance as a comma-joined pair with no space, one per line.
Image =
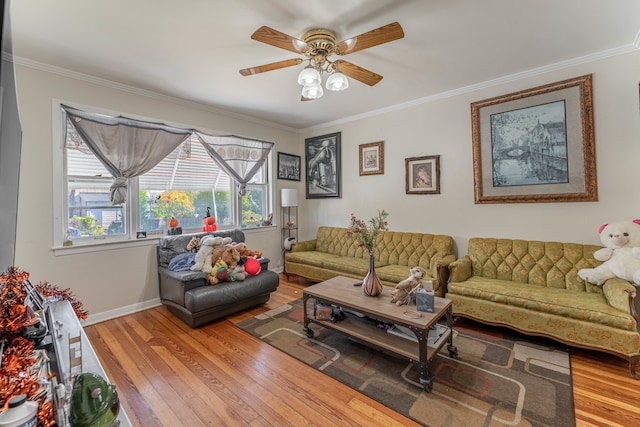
334,252
533,287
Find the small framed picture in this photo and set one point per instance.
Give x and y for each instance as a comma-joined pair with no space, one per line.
288,166
372,158
422,175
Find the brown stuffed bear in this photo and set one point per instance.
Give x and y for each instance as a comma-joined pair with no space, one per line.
248,253
218,251
224,268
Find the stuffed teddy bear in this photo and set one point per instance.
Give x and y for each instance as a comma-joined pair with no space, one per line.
404,292
231,256
213,275
248,253
226,269
193,245
620,256
240,273
218,251
203,261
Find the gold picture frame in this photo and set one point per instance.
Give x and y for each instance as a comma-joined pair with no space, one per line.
371,158
536,145
422,175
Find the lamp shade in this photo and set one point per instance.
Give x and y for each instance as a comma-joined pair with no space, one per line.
309,76
288,197
312,92
337,81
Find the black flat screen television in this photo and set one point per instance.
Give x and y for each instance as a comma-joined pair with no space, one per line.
10,144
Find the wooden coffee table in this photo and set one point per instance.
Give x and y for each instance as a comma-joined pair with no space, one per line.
341,292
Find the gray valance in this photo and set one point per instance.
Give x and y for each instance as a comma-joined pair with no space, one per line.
126,147
241,158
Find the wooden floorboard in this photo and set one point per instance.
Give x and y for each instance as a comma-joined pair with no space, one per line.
168,374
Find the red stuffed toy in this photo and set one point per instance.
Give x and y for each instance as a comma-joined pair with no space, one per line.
252,266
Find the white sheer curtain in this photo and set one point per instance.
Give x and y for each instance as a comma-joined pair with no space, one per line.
241,158
126,147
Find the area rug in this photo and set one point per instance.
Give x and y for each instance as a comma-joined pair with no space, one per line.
498,378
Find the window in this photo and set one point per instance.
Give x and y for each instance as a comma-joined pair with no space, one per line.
186,185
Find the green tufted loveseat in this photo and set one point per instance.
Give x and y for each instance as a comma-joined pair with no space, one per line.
534,287
334,252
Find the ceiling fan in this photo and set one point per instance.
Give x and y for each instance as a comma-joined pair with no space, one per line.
318,45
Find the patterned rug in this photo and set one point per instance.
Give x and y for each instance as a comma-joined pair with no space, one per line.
497,380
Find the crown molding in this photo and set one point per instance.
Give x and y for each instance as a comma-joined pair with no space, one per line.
25,62
623,50
433,98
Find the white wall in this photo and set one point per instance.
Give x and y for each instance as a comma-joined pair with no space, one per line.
113,281
443,128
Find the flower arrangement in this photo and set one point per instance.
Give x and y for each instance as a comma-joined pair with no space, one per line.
366,233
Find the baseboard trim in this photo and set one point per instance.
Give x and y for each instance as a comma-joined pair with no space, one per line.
122,311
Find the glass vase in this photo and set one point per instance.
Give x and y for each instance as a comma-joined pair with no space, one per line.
371,284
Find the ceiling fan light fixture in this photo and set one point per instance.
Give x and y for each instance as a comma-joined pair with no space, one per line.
309,76
337,82
312,91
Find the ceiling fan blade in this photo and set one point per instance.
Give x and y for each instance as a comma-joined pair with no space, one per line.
361,74
302,98
384,34
270,67
275,38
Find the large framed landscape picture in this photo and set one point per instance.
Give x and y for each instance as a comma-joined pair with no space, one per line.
322,161
536,145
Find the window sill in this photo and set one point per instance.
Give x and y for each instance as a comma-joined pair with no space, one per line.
103,246
123,244
259,229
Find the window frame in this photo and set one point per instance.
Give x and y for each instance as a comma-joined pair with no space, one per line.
131,208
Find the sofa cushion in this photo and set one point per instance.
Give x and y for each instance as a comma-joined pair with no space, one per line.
226,293
356,266
392,247
591,307
170,246
338,241
314,258
412,249
397,273
551,264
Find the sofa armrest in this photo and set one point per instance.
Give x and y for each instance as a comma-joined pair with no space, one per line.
441,273
620,294
460,269
307,245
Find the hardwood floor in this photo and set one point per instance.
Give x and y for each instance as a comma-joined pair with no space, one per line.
168,374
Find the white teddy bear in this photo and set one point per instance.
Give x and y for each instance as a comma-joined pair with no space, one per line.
203,256
620,256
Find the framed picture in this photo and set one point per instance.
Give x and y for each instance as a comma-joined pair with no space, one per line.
422,175
322,166
288,166
536,145
372,158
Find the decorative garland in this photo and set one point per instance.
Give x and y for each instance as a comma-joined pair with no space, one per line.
16,369
54,293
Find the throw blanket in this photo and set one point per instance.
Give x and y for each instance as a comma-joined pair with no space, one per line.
182,262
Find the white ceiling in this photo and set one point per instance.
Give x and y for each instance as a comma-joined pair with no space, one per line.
193,49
